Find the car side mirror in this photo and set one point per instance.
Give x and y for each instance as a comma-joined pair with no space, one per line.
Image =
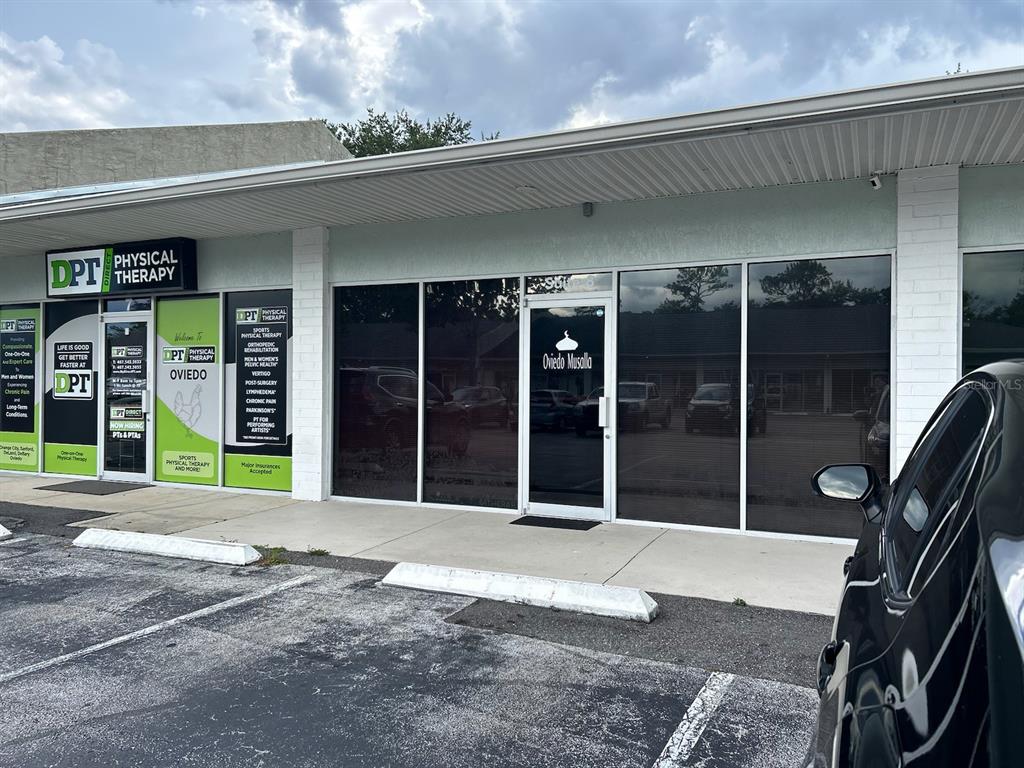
850,482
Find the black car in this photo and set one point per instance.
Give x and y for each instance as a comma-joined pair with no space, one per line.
376,410
716,407
484,404
926,663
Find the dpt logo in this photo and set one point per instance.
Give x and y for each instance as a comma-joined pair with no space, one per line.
8,326
175,354
81,271
72,385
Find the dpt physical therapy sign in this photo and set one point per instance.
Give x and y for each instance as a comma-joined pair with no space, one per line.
141,267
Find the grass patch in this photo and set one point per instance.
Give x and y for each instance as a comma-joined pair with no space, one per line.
317,552
271,556
739,601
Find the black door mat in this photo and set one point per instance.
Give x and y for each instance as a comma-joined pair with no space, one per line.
555,522
93,487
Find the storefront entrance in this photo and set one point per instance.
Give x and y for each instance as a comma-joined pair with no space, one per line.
126,410
568,433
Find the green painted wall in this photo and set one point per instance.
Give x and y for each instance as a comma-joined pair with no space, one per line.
992,206
798,219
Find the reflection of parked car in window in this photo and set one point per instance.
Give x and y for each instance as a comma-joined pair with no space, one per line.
926,662
640,403
551,409
377,410
875,446
716,407
484,404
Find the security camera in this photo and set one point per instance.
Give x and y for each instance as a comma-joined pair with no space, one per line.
876,181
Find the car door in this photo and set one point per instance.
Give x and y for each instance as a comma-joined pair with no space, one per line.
913,662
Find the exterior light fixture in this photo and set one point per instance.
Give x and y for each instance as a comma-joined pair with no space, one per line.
876,180
588,209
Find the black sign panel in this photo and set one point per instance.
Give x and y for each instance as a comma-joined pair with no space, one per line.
261,381
72,331
141,267
17,375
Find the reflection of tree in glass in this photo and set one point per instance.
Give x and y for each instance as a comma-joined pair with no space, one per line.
810,283
978,308
693,286
472,300
463,307
375,304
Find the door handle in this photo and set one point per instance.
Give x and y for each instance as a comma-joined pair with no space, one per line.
145,401
602,411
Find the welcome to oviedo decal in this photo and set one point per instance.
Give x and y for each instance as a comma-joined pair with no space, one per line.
141,267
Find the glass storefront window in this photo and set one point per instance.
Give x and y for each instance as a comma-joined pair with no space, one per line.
679,395
376,357
993,308
818,345
472,392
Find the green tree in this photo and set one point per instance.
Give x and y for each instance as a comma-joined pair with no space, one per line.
384,134
693,286
810,283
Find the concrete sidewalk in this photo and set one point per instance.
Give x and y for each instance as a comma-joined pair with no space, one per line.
776,573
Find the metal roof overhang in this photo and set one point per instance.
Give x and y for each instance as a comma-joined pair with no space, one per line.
973,119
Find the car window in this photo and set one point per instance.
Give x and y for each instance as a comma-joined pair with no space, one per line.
633,391
399,386
542,398
932,483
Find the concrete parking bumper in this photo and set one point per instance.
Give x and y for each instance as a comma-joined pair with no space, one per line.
578,596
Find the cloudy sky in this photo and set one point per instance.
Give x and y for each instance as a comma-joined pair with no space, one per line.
514,67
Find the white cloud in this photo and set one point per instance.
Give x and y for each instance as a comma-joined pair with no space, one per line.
509,65
40,89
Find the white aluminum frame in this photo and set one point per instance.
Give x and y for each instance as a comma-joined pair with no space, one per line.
606,512
611,364
111,318
961,252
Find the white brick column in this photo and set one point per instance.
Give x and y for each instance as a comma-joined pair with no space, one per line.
927,298
311,455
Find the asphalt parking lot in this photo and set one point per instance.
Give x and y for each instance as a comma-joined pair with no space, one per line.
109,659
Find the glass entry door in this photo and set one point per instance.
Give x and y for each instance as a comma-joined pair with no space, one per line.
126,419
568,440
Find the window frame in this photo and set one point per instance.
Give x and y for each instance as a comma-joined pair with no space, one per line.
898,591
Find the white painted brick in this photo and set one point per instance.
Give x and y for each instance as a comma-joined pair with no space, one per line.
945,207
310,451
927,286
911,223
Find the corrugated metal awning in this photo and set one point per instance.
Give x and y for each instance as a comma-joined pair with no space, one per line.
969,120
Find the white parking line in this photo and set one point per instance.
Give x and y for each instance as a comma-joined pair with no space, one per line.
696,719
178,620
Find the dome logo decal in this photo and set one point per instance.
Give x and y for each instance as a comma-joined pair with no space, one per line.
567,356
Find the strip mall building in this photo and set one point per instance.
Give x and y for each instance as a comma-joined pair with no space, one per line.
671,321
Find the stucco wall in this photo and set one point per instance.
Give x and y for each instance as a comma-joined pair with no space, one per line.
799,219
232,263
992,206
52,159
22,279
